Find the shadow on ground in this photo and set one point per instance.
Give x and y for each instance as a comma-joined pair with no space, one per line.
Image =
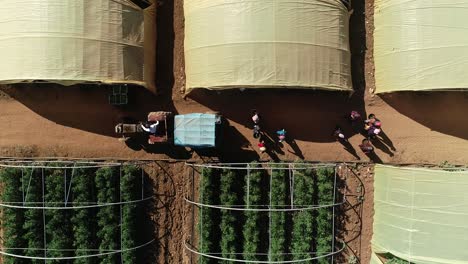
86,107
307,115
444,112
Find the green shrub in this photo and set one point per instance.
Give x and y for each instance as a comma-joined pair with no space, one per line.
58,225
108,216
12,218
131,191
325,177
83,220
206,227
33,224
251,229
278,219
228,198
303,221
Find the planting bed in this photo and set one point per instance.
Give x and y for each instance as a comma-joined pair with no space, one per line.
86,214
273,213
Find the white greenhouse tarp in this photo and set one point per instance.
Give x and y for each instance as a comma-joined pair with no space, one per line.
421,215
420,45
72,41
267,44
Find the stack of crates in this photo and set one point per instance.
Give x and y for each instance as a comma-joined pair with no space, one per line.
119,95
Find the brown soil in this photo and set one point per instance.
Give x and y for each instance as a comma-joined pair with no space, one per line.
357,213
50,120
42,120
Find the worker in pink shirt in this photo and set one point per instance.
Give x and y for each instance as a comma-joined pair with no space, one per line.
255,117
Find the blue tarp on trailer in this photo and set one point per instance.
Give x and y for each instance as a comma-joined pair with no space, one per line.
195,130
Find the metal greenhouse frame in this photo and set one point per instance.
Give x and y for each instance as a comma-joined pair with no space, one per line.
69,166
194,204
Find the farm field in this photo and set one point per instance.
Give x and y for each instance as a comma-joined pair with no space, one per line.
292,232
46,209
278,213
56,122
47,120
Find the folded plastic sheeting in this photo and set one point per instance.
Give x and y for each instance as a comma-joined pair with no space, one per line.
195,130
273,44
421,215
421,45
71,41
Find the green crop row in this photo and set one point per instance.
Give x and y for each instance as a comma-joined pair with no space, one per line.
12,220
77,229
278,196
324,216
251,230
228,198
292,236
303,225
206,226
58,226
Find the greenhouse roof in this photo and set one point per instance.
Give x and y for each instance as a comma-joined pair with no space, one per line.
420,45
421,215
71,41
267,44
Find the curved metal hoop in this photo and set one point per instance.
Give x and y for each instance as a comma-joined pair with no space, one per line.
56,164
191,249
74,207
75,257
265,209
243,166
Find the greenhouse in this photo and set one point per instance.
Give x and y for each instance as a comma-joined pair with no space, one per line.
70,42
421,215
263,212
420,45
56,211
267,44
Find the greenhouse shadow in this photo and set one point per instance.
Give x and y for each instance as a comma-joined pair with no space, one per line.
306,114
165,47
86,107
444,112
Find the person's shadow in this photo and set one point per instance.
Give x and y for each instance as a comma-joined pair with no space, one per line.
295,148
271,147
348,147
376,159
380,145
387,140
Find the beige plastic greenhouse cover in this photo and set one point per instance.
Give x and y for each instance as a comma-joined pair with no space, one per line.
421,45
421,215
75,41
273,44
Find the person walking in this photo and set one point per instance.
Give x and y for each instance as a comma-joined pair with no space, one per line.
255,116
355,120
354,116
338,134
281,134
366,146
256,131
261,146
372,121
